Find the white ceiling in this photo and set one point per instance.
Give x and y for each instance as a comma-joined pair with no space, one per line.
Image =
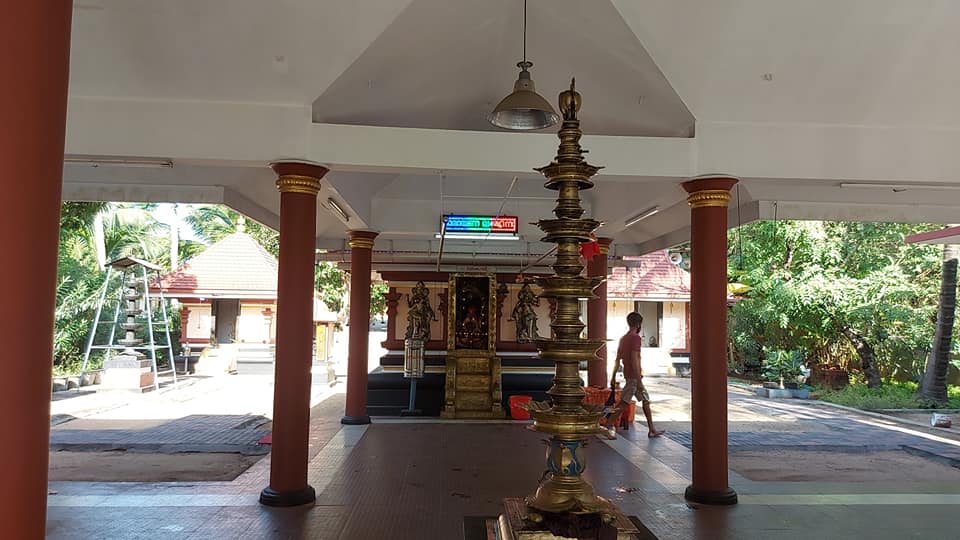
282,51
445,64
871,62
392,95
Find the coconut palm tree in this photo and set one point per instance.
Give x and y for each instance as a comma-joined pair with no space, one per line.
934,385
213,223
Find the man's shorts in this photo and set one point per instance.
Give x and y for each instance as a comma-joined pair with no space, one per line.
630,390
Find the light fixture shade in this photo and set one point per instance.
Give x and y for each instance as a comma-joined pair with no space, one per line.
524,109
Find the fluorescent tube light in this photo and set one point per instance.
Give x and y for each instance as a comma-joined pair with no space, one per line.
641,216
99,161
337,209
898,188
461,236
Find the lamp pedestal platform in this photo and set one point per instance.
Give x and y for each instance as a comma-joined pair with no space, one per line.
127,371
518,523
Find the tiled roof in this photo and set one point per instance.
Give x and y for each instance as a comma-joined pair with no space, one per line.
651,276
237,264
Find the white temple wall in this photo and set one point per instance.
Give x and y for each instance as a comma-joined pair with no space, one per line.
198,325
252,326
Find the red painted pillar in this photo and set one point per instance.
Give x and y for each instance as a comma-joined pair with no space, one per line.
299,183
184,323
708,198
597,316
35,56
361,257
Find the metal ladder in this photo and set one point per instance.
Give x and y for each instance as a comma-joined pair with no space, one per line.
126,268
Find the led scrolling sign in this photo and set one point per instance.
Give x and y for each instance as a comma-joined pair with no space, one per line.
481,224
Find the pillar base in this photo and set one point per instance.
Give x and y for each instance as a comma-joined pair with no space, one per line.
355,420
271,497
727,497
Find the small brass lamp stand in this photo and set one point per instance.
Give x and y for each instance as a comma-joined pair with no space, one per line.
412,369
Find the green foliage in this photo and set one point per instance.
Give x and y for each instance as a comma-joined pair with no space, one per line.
892,395
783,366
823,287
378,302
78,281
331,282
74,366
128,230
132,231
332,285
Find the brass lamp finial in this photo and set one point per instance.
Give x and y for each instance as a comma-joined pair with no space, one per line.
570,101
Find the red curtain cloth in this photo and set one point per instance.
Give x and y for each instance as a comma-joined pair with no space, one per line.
589,250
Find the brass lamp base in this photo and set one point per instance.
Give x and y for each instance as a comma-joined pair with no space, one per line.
518,522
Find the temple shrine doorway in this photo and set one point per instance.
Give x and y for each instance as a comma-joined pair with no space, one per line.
225,312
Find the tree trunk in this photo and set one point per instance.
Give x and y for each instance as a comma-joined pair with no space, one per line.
99,241
868,361
934,384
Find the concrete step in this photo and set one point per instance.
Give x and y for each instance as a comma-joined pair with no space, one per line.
255,363
255,349
255,356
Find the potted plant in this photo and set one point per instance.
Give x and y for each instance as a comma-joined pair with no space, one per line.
783,368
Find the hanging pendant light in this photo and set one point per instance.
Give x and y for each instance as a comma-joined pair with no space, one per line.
524,108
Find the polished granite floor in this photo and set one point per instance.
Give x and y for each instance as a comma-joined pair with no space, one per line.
419,479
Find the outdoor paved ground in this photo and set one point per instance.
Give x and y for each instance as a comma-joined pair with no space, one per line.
798,424
205,428
419,478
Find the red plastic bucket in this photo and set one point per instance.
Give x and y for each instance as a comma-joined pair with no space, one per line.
516,411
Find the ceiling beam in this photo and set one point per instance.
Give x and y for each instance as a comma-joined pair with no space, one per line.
199,132
386,149
149,193
830,151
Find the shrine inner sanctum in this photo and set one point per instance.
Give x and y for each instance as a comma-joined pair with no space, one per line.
478,342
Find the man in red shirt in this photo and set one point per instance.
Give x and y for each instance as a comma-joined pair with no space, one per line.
629,353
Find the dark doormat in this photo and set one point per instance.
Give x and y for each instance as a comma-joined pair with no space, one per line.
480,528
485,528
645,533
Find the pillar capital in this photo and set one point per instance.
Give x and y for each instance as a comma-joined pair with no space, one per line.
604,244
709,190
298,176
361,239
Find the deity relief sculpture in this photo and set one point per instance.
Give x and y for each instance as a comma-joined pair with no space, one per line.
472,311
470,334
525,316
419,313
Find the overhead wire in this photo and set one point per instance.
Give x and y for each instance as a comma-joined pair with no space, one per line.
503,203
443,219
739,232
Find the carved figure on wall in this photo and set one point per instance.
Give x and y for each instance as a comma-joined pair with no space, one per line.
419,313
525,316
